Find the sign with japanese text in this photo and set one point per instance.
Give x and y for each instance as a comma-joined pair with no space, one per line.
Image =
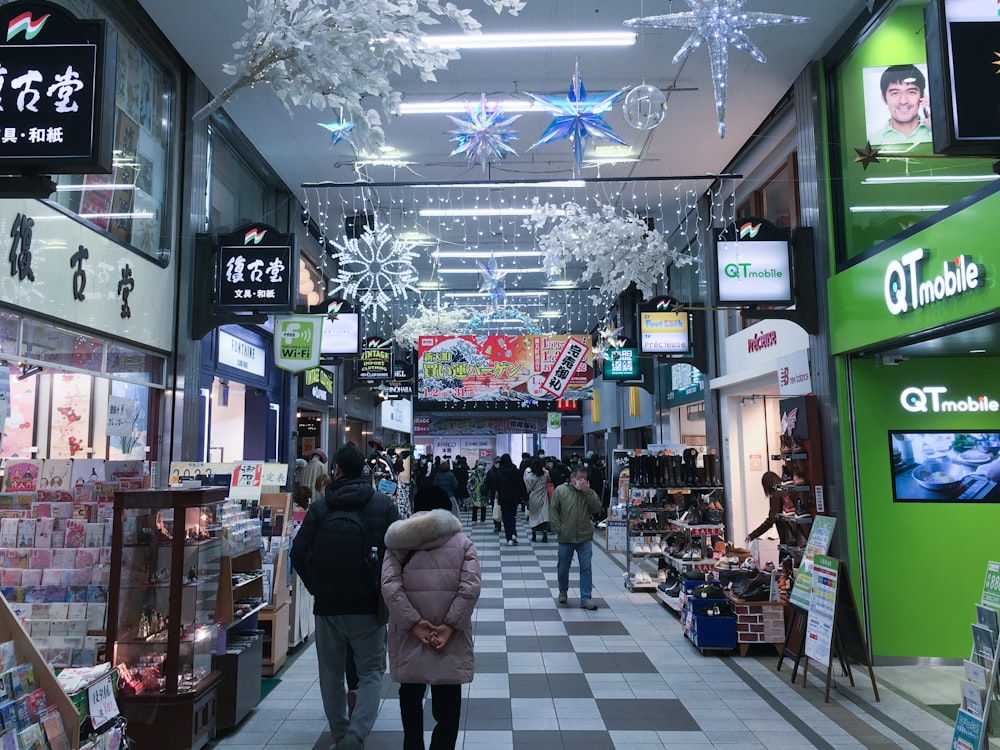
375,359
121,415
296,341
54,109
822,609
107,287
503,369
991,587
246,481
101,701
622,364
479,425
256,271
820,538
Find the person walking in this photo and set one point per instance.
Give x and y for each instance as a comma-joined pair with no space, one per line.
510,491
536,482
430,582
478,491
338,554
461,472
492,478
445,479
314,469
569,517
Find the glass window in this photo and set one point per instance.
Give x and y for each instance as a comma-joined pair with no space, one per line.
236,195
133,203
908,182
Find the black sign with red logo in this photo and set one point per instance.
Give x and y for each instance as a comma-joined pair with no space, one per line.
55,104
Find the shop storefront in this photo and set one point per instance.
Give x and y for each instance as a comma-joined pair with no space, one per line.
316,396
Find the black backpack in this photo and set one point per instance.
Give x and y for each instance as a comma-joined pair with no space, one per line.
342,569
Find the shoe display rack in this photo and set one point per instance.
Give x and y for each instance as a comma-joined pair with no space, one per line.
708,623
674,511
801,458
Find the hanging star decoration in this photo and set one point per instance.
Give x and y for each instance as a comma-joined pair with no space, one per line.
483,134
340,130
997,62
578,116
493,281
717,24
867,155
375,268
507,313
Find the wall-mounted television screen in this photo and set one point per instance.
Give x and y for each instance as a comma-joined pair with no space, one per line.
939,466
340,336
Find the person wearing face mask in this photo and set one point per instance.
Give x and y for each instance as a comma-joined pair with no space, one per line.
573,503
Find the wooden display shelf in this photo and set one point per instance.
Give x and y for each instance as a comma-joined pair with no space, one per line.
227,594
185,721
26,653
275,620
280,502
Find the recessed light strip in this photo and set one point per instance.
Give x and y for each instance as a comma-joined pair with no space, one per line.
483,211
528,40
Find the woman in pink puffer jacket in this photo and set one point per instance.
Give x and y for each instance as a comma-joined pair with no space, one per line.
430,583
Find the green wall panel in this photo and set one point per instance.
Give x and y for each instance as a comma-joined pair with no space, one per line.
924,562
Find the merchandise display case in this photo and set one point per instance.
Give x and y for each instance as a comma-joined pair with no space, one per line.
162,627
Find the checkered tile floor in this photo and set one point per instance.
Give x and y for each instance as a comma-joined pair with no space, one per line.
556,676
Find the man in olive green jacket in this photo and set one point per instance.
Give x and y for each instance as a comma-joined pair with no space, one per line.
569,517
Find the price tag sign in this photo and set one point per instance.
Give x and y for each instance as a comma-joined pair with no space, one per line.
101,699
991,587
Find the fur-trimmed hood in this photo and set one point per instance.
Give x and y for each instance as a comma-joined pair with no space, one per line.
424,530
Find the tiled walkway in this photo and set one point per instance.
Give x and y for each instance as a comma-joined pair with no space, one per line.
623,676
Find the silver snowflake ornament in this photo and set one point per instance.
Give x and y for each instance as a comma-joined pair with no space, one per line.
483,134
375,268
717,24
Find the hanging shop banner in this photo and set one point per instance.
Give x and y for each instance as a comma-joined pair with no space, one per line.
256,271
753,261
375,359
961,62
510,369
296,342
479,425
397,389
317,384
622,364
56,104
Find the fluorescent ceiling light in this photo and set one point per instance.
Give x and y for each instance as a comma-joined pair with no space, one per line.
562,284
135,215
483,211
550,314
490,294
486,254
527,40
430,286
382,163
878,209
508,271
977,351
458,106
504,185
930,178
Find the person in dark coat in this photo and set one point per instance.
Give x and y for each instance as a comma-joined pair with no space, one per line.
430,583
461,472
510,491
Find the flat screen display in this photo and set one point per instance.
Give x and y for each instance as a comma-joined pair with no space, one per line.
937,466
340,336
664,332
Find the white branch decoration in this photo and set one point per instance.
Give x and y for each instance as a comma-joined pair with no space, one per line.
331,54
442,321
616,248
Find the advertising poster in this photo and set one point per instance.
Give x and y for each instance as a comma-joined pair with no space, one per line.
70,415
818,544
822,609
504,369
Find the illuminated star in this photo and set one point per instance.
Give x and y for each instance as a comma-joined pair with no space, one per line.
339,131
997,62
493,281
867,155
577,116
609,337
717,24
483,133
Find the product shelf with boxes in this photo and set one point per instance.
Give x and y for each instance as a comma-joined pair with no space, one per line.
274,619
707,621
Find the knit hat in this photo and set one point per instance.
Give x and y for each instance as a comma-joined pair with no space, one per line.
319,452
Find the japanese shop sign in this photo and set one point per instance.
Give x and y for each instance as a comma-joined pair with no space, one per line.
54,109
621,364
52,261
479,425
375,359
245,484
256,271
296,341
121,415
503,369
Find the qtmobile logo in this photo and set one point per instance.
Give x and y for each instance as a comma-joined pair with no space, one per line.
906,288
930,399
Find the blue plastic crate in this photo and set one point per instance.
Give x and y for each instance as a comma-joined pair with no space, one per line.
713,632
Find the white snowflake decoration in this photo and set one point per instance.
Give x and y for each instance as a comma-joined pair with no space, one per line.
375,268
616,248
442,321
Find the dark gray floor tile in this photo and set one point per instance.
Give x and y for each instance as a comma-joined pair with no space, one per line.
538,740
646,714
614,663
595,628
482,714
376,741
489,627
490,602
491,663
529,686
492,584
569,686
542,644
582,740
531,615
541,593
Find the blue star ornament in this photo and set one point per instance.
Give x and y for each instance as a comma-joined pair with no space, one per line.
483,134
339,131
493,281
578,116
717,24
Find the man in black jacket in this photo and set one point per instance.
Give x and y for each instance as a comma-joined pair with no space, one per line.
347,606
